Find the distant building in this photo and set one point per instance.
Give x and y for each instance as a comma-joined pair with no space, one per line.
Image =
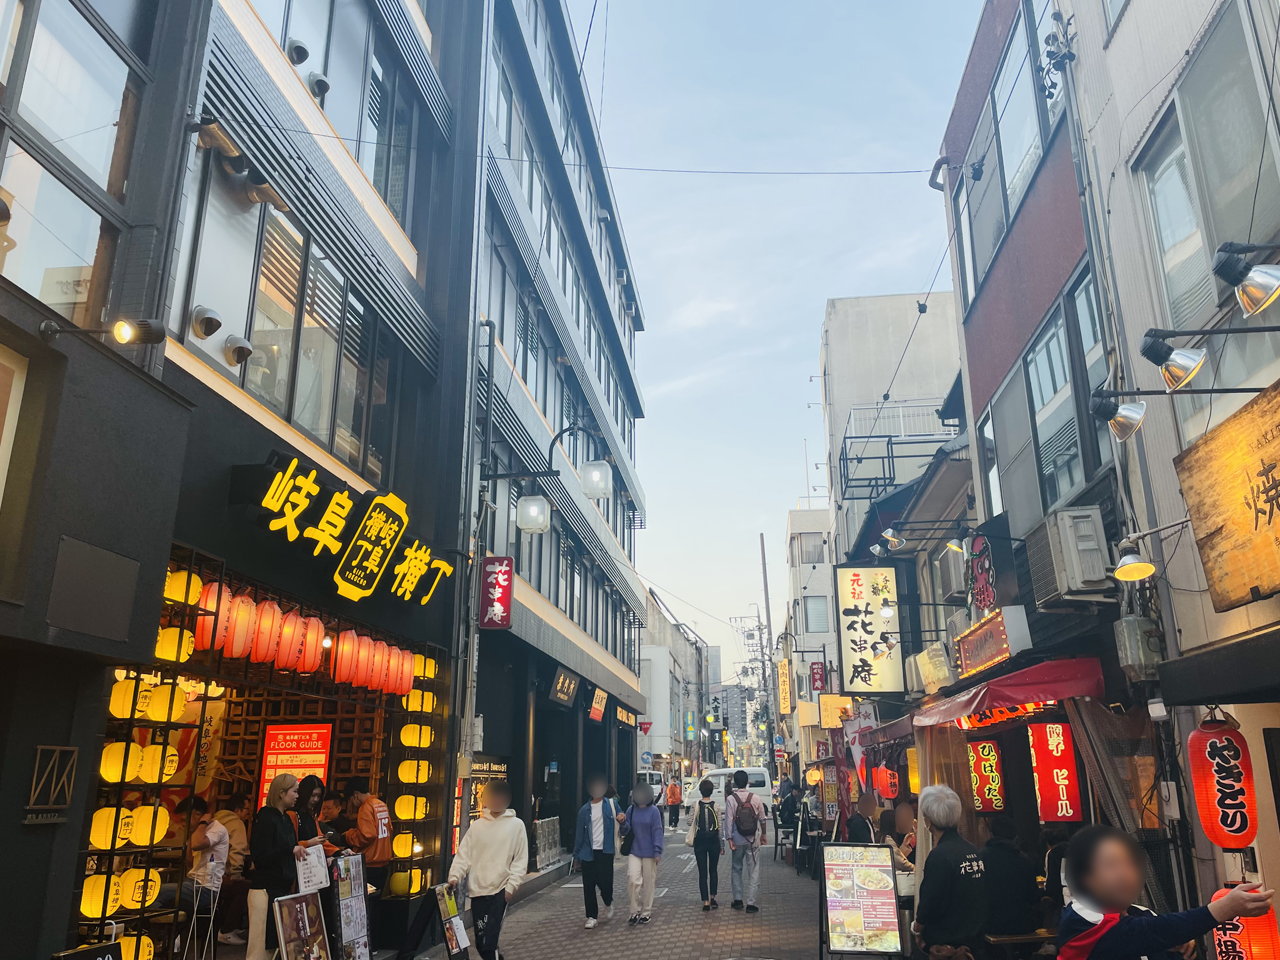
811,593
674,678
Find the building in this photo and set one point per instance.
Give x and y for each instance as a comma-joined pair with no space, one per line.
674,677
811,600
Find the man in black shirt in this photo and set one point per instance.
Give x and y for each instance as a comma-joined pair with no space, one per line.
1012,893
789,809
952,907
861,826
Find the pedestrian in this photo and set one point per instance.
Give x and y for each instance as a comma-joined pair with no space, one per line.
493,858
210,844
274,848
1013,894
904,828
334,823
1102,922
745,815
593,848
675,797
861,825
1054,840
784,786
952,904
642,827
306,812
704,837
233,900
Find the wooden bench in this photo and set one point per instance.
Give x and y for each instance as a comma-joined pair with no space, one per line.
1007,944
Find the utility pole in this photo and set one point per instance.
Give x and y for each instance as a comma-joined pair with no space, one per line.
766,674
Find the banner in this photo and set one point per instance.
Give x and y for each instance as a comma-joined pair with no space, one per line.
870,655
786,695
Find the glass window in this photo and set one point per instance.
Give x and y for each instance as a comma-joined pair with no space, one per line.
78,94
1113,8
1093,345
990,468
1018,118
54,247
10,23
964,240
815,615
318,345
309,24
348,47
225,262
275,313
1221,110
809,548
13,377
132,20
986,202
1184,261
353,382
1235,361
382,408
387,136
1049,380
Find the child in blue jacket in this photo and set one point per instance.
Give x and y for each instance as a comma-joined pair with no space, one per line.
644,825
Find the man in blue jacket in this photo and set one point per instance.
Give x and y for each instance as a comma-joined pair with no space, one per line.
593,847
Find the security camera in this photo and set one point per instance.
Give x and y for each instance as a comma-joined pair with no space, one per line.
237,350
296,51
204,323
318,84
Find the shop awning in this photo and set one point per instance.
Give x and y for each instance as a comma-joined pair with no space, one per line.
1051,680
893,730
1242,671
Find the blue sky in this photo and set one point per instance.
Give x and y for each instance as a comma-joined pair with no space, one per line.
734,272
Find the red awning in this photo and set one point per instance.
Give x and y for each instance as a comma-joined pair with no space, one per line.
1051,680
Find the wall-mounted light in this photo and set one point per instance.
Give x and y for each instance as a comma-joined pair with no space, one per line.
597,480
893,539
956,544
1133,566
533,514
122,331
205,322
1124,419
1256,287
1177,364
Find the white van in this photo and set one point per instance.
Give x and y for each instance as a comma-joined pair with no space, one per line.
757,783
654,779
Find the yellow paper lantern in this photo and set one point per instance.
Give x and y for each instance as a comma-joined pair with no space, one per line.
419,701
175,645
97,887
416,735
134,947
402,845
122,704
182,586
414,771
168,704
411,808
104,822
120,761
424,667
158,761
150,824
405,882
138,888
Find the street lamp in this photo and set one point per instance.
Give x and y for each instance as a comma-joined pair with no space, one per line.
533,514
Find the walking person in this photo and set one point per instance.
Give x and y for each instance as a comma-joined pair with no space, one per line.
704,837
744,813
274,849
675,798
642,842
493,857
593,847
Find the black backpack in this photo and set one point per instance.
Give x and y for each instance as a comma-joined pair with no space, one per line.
708,823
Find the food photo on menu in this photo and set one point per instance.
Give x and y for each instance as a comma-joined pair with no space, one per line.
861,900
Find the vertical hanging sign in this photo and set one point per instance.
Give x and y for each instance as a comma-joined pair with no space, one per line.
986,774
867,603
496,575
1053,766
818,677
786,696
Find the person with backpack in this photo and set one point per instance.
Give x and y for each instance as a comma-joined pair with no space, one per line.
704,837
642,833
745,815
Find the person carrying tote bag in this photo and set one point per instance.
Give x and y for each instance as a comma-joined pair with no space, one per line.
704,837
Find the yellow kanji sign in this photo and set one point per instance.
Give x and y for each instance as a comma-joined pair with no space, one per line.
289,495
329,527
417,561
371,548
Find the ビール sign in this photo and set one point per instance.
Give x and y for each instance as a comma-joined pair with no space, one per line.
786,695
860,900
986,774
830,706
870,660
296,748
1053,766
1222,775
1230,479
598,703
993,639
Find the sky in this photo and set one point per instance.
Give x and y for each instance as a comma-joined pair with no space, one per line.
734,272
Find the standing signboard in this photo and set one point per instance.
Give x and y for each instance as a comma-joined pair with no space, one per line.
344,903
297,748
300,927
859,901
870,651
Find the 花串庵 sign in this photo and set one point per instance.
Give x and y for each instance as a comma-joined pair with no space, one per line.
869,642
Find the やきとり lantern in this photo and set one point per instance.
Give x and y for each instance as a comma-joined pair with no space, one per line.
1222,775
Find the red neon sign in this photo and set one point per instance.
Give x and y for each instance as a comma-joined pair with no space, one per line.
986,774
988,718
497,583
1053,763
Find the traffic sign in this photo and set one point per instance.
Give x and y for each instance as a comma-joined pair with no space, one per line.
779,754
646,759
777,740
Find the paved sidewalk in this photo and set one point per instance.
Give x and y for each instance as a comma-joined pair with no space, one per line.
549,925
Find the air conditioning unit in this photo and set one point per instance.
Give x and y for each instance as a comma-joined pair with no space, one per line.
951,577
957,624
1068,557
915,683
622,278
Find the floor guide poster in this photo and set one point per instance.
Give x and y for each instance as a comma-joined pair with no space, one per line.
860,899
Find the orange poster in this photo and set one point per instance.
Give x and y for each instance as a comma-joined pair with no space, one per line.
297,748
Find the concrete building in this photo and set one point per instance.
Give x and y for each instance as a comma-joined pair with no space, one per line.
811,596
674,672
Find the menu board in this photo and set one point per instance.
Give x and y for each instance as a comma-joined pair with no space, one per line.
860,899
345,907
455,931
300,928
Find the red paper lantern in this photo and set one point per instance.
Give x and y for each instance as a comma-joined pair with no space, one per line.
266,634
1222,773
293,632
378,666
404,681
312,646
393,670
344,656
240,628
887,782
364,661
211,623
1247,938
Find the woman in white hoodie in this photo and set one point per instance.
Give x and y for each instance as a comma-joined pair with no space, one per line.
493,857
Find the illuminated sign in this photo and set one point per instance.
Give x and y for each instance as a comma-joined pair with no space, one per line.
598,703
989,718
870,660
935,667
993,639
1231,482
299,749
497,583
986,775
1053,766
626,716
691,731
830,707
565,686
786,695
326,523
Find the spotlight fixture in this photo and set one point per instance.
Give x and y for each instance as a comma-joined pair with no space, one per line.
1133,566
956,544
879,550
1256,287
122,331
886,609
893,539
1177,364
1124,419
